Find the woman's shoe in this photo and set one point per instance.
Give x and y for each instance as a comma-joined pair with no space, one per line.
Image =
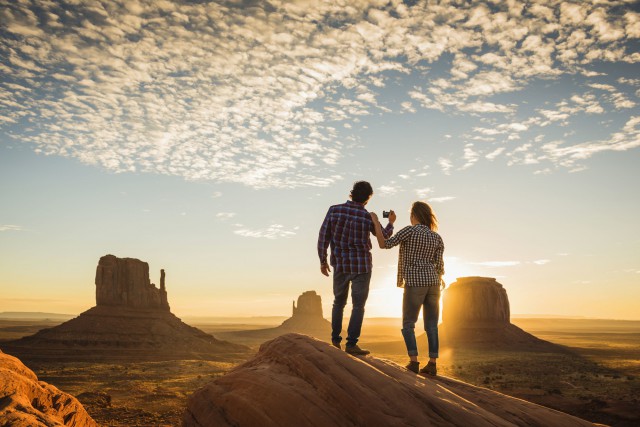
429,369
413,366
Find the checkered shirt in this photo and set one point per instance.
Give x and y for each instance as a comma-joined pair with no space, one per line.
347,228
420,260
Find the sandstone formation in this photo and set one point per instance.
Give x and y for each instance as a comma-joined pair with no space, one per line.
298,381
477,301
475,312
307,316
27,402
124,282
130,321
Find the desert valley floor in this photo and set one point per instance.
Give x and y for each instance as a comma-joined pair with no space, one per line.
597,377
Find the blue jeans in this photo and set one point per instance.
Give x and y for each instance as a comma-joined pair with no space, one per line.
427,298
359,294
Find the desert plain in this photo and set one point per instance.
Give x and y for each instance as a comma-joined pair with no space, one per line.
595,374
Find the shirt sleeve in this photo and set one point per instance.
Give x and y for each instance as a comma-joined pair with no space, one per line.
324,237
386,232
400,236
438,261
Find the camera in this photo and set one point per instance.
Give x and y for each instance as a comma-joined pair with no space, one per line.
385,214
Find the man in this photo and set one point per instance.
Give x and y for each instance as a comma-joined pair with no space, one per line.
346,229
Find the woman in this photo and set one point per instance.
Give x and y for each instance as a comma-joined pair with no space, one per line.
420,270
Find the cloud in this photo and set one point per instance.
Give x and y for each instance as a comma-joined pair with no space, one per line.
569,155
9,227
388,190
441,199
225,215
422,193
541,261
274,231
497,263
495,153
259,95
470,156
445,165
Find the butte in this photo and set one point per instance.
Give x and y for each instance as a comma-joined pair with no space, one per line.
476,313
306,318
131,321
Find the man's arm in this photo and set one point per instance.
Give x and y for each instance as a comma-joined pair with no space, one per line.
324,239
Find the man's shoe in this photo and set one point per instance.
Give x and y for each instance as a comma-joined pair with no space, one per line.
336,344
356,351
430,369
413,366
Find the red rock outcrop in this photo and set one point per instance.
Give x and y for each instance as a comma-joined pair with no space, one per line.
476,313
27,402
296,380
124,282
130,321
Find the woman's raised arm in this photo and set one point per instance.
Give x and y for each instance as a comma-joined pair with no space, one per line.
378,228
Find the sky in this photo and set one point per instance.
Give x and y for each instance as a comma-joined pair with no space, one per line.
210,138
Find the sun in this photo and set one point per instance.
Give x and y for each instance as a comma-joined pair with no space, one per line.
453,268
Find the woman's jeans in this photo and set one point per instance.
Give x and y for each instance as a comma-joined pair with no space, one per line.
427,298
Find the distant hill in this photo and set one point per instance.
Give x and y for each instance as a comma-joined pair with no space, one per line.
237,320
35,315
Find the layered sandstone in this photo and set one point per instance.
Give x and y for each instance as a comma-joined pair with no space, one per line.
307,316
476,312
131,320
296,380
27,402
124,282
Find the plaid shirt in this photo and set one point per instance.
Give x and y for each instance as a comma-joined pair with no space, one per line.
420,260
346,228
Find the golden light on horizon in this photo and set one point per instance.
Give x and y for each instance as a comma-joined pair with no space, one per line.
454,268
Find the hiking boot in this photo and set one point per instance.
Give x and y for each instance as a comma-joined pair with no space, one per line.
356,351
413,366
336,344
429,369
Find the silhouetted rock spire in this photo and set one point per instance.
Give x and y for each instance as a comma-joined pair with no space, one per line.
307,316
309,304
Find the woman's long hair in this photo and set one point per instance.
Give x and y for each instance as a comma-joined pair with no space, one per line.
423,213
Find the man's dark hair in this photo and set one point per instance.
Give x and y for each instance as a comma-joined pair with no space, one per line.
361,191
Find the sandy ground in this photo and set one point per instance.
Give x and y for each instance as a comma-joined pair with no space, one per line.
597,379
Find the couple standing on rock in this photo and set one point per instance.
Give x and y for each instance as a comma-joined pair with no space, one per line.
346,230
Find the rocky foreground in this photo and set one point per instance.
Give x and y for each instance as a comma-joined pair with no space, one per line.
27,402
298,380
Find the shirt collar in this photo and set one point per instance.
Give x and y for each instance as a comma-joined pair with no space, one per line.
355,204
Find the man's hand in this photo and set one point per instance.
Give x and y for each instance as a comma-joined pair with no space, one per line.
324,269
374,217
392,217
